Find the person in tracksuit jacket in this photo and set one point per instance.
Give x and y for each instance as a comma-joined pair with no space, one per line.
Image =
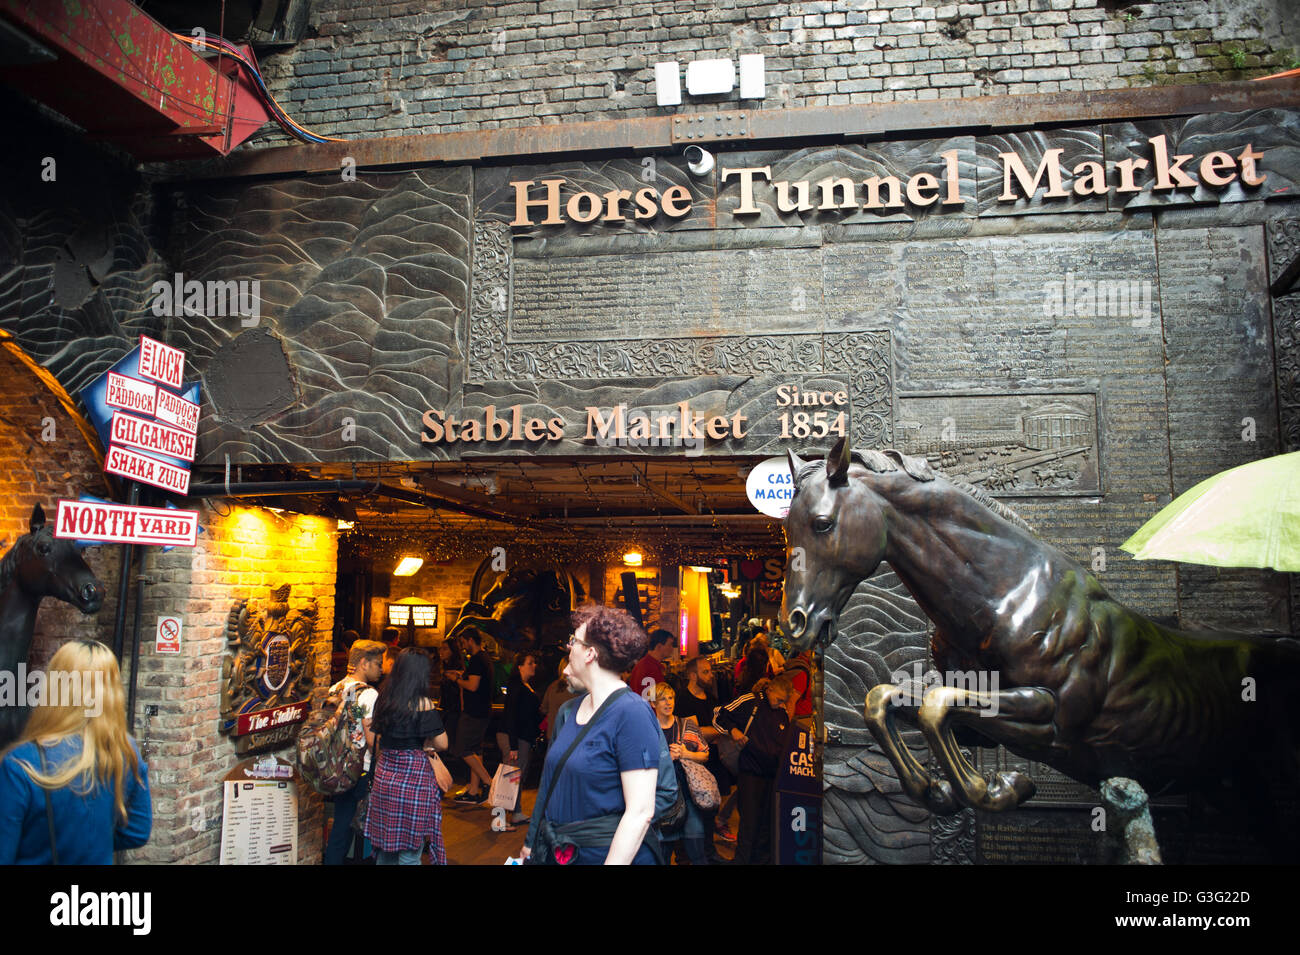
757,722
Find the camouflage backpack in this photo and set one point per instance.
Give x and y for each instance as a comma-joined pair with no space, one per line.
328,755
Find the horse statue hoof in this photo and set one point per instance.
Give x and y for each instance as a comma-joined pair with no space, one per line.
939,798
1021,785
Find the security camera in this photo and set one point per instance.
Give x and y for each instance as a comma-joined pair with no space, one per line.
698,160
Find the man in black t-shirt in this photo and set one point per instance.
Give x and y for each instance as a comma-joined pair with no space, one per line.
476,689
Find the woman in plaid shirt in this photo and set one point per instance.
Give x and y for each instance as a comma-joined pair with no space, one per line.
405,802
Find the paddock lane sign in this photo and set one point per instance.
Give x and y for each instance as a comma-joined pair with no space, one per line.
176,410
122,524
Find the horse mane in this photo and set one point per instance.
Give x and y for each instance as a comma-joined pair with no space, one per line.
918,469
9,562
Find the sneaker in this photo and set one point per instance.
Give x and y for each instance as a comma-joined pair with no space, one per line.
722,832
467,796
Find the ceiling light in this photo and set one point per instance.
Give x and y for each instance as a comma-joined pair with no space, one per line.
408,566
701,570
346,525
632,558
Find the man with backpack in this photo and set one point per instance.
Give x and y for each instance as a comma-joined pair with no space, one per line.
365,665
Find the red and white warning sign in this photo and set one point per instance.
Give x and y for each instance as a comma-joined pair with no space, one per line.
178,411
141,467
161,362
123,524
151,436
169,635
131,394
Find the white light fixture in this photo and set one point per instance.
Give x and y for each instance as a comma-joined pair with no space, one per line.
701,570
709,77
408,566
346,525
752,81
632,558
699,161
668,84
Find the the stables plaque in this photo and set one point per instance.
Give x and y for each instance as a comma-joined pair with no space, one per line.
267,675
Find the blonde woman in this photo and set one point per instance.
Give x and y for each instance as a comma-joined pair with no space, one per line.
73,788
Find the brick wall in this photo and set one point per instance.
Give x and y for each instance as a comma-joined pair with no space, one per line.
43,457
242,553
368,69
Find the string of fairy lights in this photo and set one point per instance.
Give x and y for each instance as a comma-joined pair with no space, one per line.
711,540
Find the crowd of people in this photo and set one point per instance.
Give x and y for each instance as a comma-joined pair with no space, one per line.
642,764
669,752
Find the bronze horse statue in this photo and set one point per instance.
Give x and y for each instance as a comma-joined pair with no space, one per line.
527,609
39,565
1084,684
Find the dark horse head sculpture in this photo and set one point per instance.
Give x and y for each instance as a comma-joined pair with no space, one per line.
528,608
39,565
1030,650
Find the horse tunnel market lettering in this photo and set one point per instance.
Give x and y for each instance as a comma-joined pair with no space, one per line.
1049,179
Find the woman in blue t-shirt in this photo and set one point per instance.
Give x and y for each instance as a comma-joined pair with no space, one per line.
608,783
73,788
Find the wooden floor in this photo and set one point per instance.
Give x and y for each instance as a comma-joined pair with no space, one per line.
469,839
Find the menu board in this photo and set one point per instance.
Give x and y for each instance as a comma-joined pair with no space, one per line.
259,822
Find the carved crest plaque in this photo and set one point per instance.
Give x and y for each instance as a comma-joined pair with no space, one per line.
266,680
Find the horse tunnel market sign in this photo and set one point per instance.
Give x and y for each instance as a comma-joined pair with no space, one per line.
1165,171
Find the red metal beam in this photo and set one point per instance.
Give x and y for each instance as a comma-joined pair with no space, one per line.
122,76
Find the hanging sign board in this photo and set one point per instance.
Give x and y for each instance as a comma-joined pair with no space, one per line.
130,394
770,486
122,524
147,470
174,409
161,362
151,436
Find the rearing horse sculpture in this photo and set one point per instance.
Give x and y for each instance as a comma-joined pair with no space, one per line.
39,565
1085,684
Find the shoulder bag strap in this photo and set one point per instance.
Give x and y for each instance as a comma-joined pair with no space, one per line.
559,767
49,810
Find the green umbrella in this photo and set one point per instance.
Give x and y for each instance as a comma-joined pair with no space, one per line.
1247,516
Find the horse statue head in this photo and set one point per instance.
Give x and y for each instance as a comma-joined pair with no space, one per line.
39,565
836,534
42,565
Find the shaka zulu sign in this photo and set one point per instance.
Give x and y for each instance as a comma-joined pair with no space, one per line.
151,435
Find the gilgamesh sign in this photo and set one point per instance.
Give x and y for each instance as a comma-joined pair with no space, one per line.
122,524
151,436
1049,178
